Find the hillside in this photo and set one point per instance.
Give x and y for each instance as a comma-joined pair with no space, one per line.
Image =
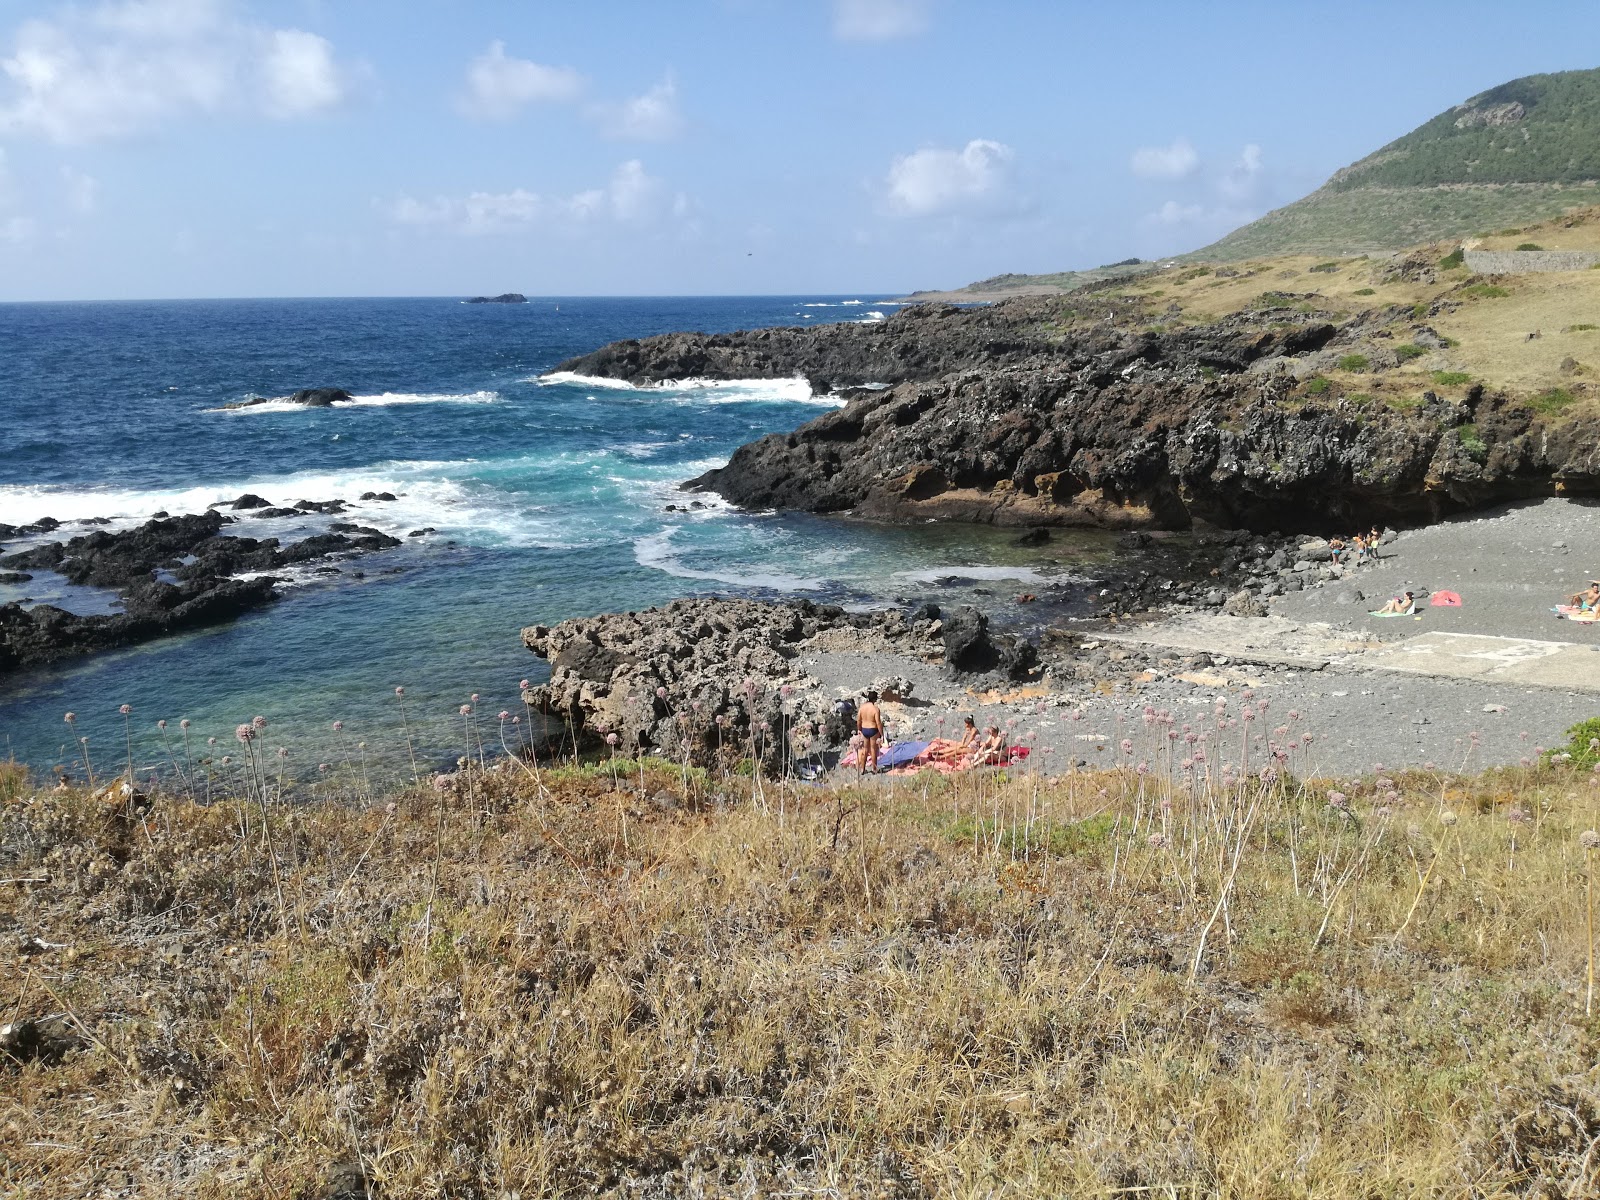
1519,153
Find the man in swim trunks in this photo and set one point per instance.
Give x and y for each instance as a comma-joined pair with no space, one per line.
1587,601
869,724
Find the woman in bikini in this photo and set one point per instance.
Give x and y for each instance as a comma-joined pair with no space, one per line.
991,752
1403,605
969,735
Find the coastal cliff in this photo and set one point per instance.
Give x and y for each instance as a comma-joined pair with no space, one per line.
1034,412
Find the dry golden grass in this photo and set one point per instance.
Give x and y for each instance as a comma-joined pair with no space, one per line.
1490,333
664,984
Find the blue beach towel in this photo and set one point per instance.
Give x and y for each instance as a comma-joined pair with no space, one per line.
899,754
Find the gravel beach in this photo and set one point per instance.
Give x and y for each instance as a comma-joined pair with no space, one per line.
1509,565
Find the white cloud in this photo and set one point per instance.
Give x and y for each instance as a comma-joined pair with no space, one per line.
1173,213
300,74
1250,159
1165,162
878,20
82,191
652,117
935,180
499,87
120,68
631,197
17,230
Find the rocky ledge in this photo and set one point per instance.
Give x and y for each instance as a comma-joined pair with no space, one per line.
172,573
503,298
695,678
1029,413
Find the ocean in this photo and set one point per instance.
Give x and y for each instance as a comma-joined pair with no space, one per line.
548,496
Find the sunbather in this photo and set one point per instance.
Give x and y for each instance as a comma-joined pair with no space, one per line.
969,735
1403,606
1587,601
991,752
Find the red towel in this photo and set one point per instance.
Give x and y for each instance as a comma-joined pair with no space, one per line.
1446,600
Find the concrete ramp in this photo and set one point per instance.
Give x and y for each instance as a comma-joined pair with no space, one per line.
1524,661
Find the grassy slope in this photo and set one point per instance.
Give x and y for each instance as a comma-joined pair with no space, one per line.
666,984
1379,220
1455,175
1489,332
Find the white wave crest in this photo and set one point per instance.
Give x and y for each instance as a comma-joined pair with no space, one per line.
283,404
871,318
791,390
656,552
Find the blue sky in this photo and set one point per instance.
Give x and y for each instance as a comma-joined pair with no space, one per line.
169,148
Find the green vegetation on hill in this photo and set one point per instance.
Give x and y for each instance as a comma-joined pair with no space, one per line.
1517,154
1522,152
1539,129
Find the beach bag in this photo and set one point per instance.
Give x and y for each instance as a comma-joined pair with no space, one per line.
1446,600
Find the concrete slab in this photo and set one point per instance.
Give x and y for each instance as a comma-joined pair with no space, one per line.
1526,661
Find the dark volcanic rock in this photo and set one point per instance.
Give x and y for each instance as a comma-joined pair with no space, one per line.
250,500
1018,414
697,678
172,574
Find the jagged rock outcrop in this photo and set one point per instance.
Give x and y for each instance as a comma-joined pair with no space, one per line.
1009,416
172,574
696,678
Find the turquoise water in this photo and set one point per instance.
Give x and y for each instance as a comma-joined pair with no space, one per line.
548,498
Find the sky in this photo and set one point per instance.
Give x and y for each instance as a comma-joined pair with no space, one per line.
200,148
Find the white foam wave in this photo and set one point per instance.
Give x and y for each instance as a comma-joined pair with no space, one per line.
871,318
792,390
848,303
440,494
656,552
283,404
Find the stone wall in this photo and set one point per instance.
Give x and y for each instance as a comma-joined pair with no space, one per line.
1525,262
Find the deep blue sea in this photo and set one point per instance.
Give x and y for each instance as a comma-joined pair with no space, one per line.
548,496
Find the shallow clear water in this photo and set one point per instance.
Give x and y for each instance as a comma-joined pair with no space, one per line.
548,500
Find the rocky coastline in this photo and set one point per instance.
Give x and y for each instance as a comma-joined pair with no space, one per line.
698,679
1047,411
170,574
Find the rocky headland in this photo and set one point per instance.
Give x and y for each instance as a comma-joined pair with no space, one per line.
170,574
1043,411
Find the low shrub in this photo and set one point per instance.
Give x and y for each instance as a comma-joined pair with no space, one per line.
1530,246
1453,260
1317,386
1552,400
1327,267
1583,744
1451,378
1484,291
1409,351
1579,328
1477,449
1356,364
1366,292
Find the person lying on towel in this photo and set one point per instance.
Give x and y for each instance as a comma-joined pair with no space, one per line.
1400,606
